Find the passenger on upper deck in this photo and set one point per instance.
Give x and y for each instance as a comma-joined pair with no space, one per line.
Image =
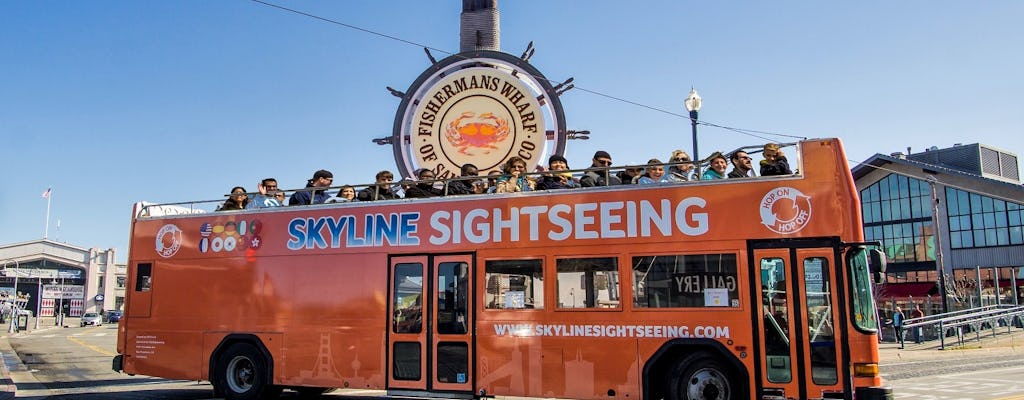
381,190
654,173
774,162
741,167
423,188
269,195
716,167
556,179
346,194
492,181
630,174
236,201
679,172
312,194
465,185
598,173
515,179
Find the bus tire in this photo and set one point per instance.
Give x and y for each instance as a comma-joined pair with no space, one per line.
701,376
242,374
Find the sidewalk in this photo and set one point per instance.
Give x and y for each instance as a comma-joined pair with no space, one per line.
1011,343
9,360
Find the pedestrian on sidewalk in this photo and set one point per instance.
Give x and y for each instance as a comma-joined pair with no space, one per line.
918,334
897,324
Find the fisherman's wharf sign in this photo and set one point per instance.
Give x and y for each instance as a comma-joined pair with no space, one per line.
481,111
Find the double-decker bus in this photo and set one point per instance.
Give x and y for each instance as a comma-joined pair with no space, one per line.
749,288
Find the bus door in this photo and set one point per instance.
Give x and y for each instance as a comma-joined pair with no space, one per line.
430,343
797,309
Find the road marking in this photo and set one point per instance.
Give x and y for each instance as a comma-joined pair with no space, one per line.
89,346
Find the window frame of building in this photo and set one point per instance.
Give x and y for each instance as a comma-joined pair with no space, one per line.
979,221
897,211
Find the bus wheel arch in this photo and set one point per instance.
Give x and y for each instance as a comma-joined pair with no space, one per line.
678,360
241,368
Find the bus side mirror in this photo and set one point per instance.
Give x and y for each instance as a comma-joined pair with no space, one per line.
876,264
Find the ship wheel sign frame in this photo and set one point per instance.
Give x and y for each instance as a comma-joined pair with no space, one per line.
480,107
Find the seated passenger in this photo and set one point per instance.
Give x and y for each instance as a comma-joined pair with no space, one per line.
345,195
679,172
654,173
741,167
464,185
556,179
598,173
236,201
774,162
492,181
315,191
514,179
716,169
630,174
380,190
269,195
425,187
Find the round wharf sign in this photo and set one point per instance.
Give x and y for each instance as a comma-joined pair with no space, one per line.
482,111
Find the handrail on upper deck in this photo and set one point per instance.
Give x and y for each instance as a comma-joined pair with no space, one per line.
190,207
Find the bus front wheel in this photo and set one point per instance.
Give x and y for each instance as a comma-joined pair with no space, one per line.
242,374
701,377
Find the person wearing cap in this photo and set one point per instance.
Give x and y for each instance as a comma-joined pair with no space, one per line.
774,162
716,167
654,173
381,190
555,178
680,171
315,191
599,174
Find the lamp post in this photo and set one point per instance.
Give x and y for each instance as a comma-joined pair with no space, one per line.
941,279
39,297
693,103
14,308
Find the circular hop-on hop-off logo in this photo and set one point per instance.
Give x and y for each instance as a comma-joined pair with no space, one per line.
785,210
168,240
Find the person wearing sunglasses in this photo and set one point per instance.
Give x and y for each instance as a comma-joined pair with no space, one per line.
681,168
741,165
269,195
599,173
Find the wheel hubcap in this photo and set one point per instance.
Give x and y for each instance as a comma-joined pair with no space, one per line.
240,374
707,384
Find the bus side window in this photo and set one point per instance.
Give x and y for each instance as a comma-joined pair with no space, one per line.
514,284
144,277
588,283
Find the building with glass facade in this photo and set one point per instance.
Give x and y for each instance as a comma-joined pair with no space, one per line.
956,210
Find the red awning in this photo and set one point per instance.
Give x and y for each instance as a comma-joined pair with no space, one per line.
916,289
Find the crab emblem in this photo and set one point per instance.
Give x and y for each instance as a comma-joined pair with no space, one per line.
472,131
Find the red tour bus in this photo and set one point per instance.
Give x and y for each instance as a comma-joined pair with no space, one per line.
730,289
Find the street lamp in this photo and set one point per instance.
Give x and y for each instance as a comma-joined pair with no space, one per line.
693,103
14,310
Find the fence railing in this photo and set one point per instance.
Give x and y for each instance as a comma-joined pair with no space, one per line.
958,323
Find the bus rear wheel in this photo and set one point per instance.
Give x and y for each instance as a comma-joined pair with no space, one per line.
242,374
701,377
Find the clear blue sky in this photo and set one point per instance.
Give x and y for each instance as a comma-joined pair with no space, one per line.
114,102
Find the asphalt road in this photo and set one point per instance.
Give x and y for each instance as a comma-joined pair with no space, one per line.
74,363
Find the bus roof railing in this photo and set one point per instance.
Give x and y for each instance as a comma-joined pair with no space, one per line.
154,210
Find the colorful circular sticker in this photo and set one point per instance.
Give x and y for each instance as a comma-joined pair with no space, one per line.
785,210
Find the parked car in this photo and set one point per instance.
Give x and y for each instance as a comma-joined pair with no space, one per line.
91,318
114,315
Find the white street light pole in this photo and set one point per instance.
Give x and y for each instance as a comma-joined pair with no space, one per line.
14,310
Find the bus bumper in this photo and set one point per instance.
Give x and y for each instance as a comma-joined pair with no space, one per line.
874,393
118,364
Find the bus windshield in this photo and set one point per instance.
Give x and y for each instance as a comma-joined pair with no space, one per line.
864,317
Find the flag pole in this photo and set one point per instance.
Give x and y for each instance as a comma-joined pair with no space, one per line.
46,231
